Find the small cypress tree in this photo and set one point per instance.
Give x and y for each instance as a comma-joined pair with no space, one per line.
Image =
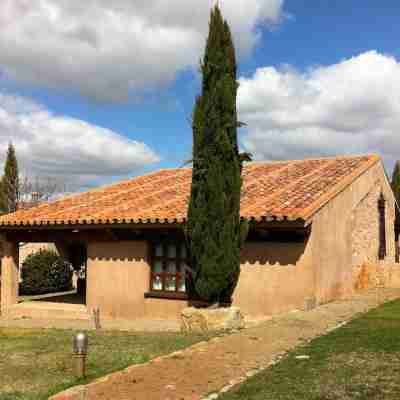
10,181
213,229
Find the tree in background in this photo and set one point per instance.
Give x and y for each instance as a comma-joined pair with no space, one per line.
24,192
33,191
396,191
10,181
214,231
396,181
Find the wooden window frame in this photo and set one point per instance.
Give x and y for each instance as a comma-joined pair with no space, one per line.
382,227
164,259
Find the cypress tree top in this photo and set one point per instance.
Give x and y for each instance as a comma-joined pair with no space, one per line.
10,181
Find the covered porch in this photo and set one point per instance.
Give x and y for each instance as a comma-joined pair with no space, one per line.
117,273
66,304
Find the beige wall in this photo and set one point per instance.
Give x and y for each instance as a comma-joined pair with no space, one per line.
275,277
118,276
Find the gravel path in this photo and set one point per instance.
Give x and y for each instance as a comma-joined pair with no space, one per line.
207,368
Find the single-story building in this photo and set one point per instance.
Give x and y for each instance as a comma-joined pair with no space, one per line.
321,229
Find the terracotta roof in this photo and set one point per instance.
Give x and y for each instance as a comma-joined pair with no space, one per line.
286,190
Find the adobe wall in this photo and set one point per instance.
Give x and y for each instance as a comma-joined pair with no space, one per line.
275,277
118,275
345,235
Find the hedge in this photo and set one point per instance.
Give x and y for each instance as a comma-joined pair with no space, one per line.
45,272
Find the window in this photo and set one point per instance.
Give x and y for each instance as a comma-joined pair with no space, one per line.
168,270
382,228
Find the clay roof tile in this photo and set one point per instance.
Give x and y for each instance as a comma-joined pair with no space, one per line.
271,191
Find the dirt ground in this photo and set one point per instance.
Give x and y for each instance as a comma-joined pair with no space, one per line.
224,361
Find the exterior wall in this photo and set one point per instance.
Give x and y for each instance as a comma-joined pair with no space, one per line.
368,270
118,276
275,277
345,235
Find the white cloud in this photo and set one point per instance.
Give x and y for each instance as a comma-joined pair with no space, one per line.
109,49
349,107
76,152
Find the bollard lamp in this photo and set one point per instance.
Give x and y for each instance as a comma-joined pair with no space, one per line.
80,348
81,343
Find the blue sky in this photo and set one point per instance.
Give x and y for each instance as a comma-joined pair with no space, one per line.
99,98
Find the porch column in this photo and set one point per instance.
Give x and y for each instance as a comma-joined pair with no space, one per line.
9,276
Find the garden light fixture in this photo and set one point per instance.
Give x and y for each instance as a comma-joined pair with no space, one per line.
80,349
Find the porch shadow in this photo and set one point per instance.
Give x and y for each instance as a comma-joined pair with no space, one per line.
70,297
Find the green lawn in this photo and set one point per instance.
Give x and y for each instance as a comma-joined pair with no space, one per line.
37,363
360,360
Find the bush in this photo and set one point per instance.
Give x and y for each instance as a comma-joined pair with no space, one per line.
45,272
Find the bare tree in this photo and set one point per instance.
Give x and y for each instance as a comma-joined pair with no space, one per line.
40,189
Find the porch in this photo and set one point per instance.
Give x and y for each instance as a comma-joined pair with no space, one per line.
64,305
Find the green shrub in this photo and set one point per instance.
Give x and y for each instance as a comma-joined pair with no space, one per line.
45,272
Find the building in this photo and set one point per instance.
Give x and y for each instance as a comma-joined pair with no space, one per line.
321,229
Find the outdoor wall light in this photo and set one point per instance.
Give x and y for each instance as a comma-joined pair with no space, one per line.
80,349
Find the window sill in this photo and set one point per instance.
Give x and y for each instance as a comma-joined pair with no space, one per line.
166,295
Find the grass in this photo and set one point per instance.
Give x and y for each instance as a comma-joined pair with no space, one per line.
35,364
358,361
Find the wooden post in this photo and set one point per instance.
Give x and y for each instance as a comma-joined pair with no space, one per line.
9,276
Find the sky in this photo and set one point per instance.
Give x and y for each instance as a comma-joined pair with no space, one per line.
96,91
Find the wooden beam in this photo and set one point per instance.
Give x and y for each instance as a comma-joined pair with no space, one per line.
85,236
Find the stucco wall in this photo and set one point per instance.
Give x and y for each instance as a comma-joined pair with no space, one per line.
275,277
345,234
118,276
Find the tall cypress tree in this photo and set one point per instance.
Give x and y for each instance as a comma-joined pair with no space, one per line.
213,229
10,181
